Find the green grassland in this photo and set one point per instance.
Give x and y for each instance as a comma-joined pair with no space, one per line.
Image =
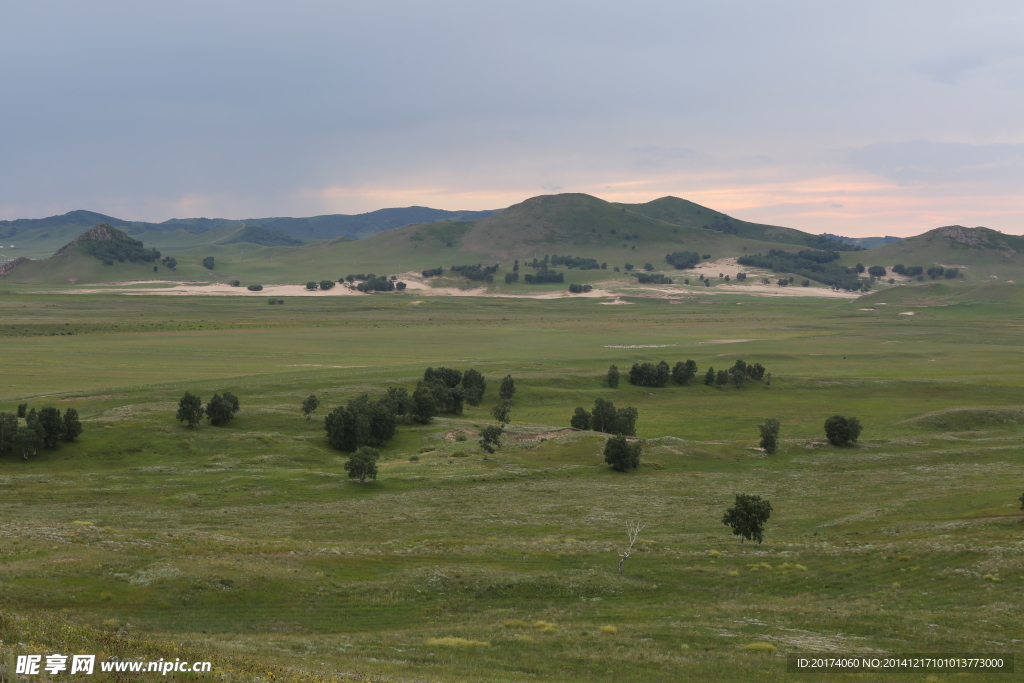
248,544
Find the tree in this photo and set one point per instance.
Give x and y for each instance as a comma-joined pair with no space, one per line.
739,374
490,437
29,438
53,426
722,378
22,409
709,376
683,373
326,284
502,412
8,432
748,517
232,400
633,530
473,385
604,416
72,426
508,388
877,271
450,377
612,378
580,419
424,408
219,411
309,405
311,285
208,263
621,454
770,435
362,464
190,409
841,431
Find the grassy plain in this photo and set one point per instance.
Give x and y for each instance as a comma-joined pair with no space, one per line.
248,542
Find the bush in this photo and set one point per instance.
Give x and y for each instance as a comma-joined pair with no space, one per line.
255,288
430,272
208,263
877,271
311,285
770,435
841,431
236,283
363,464
621,454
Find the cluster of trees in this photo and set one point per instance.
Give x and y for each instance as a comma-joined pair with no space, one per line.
544,276
119,249
579,289
220,410
476,272
364,422
432,272
380,283
44,428
738,374
606,418
275,302
653,279
208,263
936,272
683,260
168,261
576,262
907,271
323,284
651,375
622,454
808,263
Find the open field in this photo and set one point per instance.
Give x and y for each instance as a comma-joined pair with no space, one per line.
248,543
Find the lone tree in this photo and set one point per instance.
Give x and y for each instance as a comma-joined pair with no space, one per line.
208,263
612,378
770,435
580,419
362,464
190,409
748,517
473,385
490,437
842,431
503,412
72,426
220,410
621,454
309,405
633,530
709,376
508,388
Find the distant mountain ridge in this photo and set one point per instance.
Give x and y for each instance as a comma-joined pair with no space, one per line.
866,242
35,233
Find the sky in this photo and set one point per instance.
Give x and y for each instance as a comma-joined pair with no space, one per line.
857,118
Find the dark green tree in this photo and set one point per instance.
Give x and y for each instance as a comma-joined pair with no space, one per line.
399,402
448,400
662,374
424,407
722,378
8,432
508,388
625,420
450,377
208,263
311,285
22,409
841,431
502,412
53,426
326,284
72,425
739,374
709,377
580,419
362,464
29,438
190,409
770,435
683,373
621,454
232,400
748,517
612,378
473,386
218,410
490,437
309,405
604,417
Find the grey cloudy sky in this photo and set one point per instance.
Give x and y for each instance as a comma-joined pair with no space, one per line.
854,117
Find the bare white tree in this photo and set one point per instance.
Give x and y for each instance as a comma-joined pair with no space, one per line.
633,530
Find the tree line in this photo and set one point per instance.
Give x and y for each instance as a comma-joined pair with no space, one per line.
220,409
44,428
813,264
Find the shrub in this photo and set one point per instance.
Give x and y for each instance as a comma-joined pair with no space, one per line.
255,288
621,454
236,283
208,263
841,431
759,647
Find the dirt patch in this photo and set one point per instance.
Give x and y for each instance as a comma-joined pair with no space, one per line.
468,433
553,434
907,313
616,302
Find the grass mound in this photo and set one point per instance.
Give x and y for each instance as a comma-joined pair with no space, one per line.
969,419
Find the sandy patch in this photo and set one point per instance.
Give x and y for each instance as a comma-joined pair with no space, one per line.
907,313
616,302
